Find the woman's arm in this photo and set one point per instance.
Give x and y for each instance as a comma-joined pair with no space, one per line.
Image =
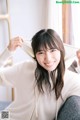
5,56
10,75
14,43
19,74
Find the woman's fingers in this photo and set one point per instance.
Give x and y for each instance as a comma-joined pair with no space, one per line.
14,43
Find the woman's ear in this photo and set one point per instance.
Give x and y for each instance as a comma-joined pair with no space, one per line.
27,48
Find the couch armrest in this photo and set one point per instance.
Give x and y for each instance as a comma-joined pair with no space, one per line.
70,109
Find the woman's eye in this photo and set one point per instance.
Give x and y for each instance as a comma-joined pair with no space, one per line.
40,52
52,50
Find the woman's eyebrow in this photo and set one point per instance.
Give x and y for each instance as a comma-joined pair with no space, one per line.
44,50
52,48
40,50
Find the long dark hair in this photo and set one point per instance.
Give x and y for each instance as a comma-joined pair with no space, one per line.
42,39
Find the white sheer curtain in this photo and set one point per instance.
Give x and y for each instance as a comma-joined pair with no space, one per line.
54,16
76,24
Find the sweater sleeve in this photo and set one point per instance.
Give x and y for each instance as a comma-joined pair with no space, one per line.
9,75
26,46
4,56
71,85
17,74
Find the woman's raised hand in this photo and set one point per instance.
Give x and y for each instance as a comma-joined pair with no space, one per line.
14,43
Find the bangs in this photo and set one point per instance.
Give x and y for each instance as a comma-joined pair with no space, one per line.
45,42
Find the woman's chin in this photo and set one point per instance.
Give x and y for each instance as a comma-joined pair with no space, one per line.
50,69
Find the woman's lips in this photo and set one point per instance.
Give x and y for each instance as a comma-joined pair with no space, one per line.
49,64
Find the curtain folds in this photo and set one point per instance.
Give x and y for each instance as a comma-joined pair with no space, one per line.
67,30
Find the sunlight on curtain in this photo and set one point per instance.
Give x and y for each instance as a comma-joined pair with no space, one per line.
54,16
76,23
67,25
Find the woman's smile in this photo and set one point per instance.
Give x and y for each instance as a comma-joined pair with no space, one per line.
49,64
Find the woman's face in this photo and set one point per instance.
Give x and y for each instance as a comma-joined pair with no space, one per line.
48,58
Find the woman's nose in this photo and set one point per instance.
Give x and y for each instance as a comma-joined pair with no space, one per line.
47,57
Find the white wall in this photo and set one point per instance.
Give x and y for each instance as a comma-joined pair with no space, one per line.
27,17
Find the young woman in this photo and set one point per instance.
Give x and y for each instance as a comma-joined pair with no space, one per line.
41,85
